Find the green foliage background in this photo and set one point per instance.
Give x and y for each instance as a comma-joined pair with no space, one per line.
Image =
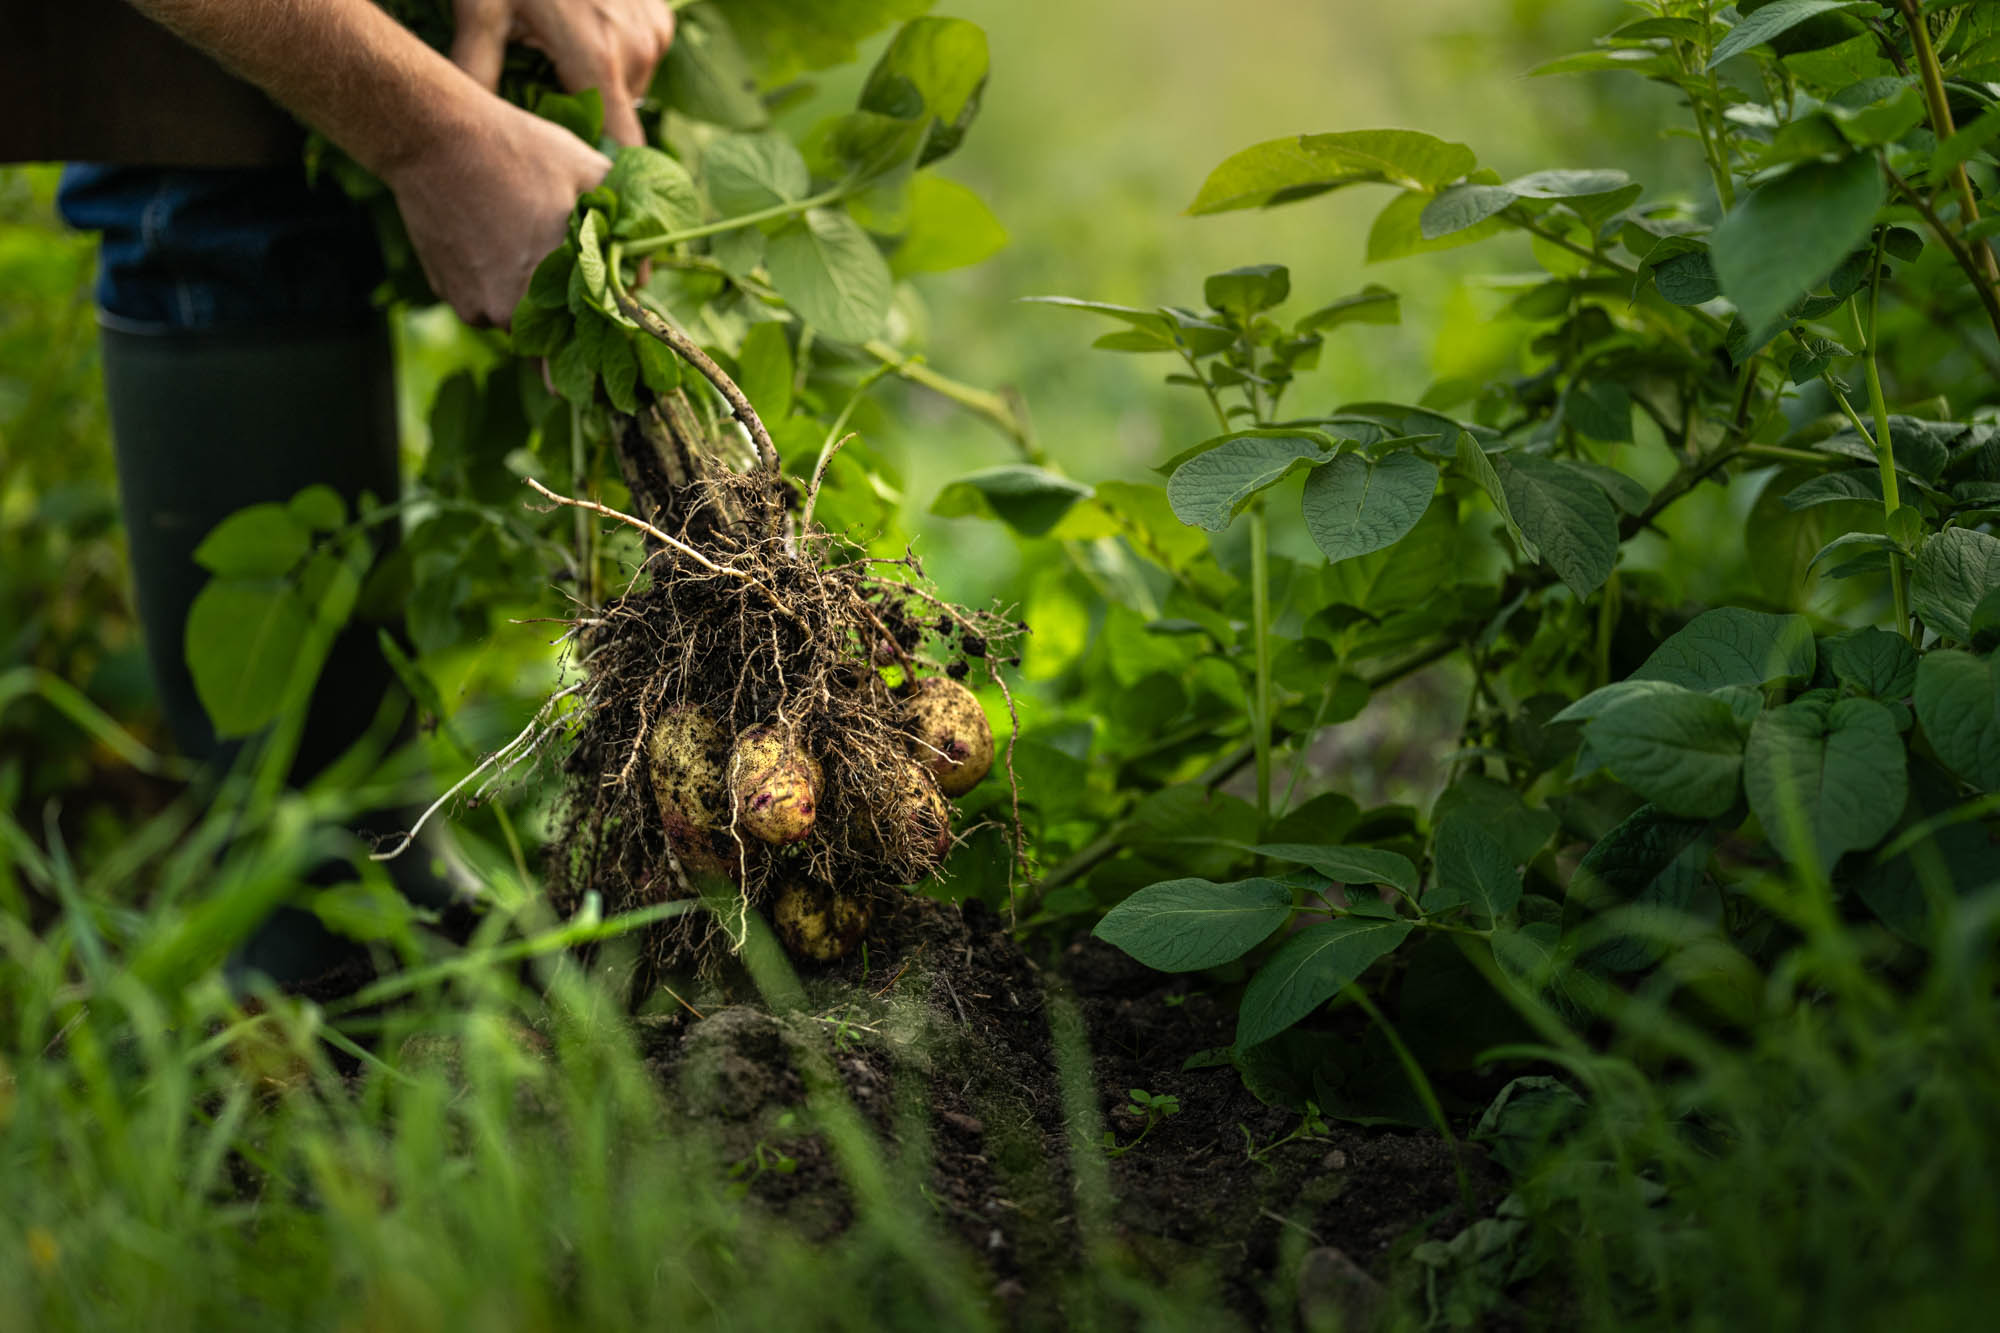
1731,1148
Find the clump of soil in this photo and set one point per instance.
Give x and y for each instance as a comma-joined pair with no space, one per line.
942,1039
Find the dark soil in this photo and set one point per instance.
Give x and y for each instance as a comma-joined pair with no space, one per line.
943,1041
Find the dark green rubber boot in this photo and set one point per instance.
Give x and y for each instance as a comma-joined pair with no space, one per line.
205,423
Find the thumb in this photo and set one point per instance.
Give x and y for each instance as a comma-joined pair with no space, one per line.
479,46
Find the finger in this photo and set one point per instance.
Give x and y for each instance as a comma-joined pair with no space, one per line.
647,45
596,59
479,47
621,118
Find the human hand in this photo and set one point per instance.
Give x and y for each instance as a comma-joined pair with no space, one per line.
485,205
609,45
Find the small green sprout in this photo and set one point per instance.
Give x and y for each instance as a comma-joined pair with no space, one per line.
1152,1108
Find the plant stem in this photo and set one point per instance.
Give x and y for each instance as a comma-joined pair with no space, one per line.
1533,228
1561,242
833,440
1982,286
586,557
1885,460
791,208
993,406
1885,453
1778,454
690,351
1718,168
1260,613
1260,625
1421,1085
1103,847
1932,77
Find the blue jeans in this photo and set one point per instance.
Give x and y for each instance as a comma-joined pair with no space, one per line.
192,249
243,360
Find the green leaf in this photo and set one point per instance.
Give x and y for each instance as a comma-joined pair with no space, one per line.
1955,569
950,227
319,507
1864,484
582,114
365,911
1873,661
1347,865
1164,329
1603,698
1686,277
1960,714
1922,448
1628,493
1281,170
832,274
1311,968
1681,751
1651,860
746,173
934,69
1601,410
1732,646
787,37
1462,207
1473,462
618,363
764,370
573,369
1792,232
590,263
1568,183
538,330
1184,925
1830,773
1031,500
262,540
1355,505
1567,516
1985,622
1210,489
1855,553
1247,291
1965,143
1471,870
549,287
655,194
1373,304
659,368
705,75
243,637
1775,19
1398,230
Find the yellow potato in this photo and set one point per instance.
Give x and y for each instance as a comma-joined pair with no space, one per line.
775,785
916,819
952,737
815,922
686,752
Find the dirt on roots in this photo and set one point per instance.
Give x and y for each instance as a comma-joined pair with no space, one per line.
759,627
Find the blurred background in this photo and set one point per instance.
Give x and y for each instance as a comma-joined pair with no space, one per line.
1100,121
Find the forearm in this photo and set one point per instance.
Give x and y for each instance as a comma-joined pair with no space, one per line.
343,66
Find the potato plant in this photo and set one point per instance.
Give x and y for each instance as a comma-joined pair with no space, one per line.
765,708
1645,791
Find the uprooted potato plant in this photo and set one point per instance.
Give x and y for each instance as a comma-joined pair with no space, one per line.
768,717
